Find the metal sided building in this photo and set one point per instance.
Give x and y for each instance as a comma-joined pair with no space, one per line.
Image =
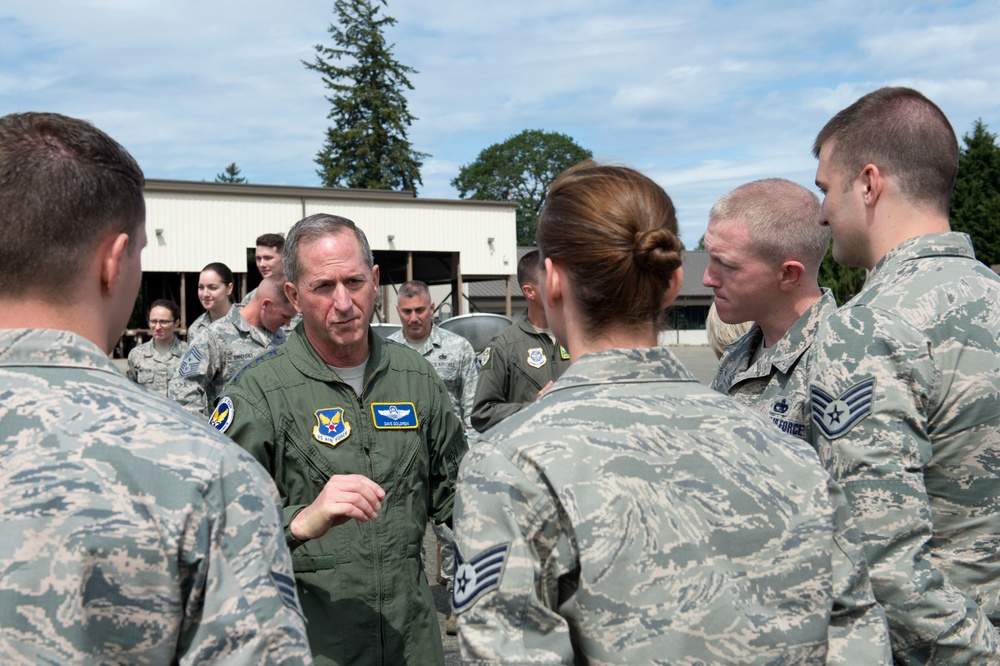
447,243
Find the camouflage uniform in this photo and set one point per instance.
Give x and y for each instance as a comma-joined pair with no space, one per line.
905,390
362,585
198,325
632,516
776,383
455,361
131,534
514,367
214,357
148,368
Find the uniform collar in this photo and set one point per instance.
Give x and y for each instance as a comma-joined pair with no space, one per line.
941,244
643,364
49,347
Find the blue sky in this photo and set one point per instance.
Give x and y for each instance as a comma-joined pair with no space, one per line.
699,96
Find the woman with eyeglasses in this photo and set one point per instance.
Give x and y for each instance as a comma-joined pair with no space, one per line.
152,363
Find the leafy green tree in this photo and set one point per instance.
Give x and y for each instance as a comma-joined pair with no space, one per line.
700,247
366,147
975,205
520,169
843,281
230,175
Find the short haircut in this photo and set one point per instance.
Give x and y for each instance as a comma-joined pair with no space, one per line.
413,288
175,310
272,287
905,135
527,268
615,232
221,270
276,241
313,228
64,186
782,220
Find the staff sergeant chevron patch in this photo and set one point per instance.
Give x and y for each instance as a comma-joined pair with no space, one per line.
836,416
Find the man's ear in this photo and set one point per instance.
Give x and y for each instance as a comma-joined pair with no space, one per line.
873,181
292,294
529,291
112,253
791,275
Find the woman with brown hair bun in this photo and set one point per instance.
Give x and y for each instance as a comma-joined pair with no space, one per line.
631,515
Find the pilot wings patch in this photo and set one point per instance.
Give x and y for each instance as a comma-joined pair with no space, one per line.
394,415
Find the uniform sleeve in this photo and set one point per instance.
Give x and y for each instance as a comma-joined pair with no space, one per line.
251,427
858,631
243,607
512,555
446,439
872,380
195,373
132,370
470,380
490,404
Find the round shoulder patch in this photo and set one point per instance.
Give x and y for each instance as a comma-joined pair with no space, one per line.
222,417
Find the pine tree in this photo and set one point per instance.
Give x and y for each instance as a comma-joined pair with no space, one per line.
366,147
975,205
230,175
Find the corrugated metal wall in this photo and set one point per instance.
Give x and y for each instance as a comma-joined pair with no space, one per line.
197,228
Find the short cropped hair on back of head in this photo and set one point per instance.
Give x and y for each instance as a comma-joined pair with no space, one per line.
905,135
64,186
276,241
313,228
615,232
527,269
782,220
413,288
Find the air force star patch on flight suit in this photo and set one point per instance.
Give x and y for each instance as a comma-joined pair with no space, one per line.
836,416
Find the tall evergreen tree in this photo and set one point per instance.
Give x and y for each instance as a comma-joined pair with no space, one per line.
975,206
843,281
230,175
366,147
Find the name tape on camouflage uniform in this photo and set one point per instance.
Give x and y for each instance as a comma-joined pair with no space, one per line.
394,415
836,416
331,426
222,417
478,576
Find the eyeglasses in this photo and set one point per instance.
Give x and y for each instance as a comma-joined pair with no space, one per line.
160,322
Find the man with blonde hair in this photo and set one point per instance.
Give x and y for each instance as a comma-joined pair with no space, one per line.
765,248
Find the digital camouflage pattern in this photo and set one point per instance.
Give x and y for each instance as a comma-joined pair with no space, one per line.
776,382
455,361
147,368
362,584
198,325
214,357
633,516
132,534
905,387
513,369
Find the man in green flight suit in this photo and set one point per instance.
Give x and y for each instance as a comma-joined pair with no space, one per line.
522,361
361,439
